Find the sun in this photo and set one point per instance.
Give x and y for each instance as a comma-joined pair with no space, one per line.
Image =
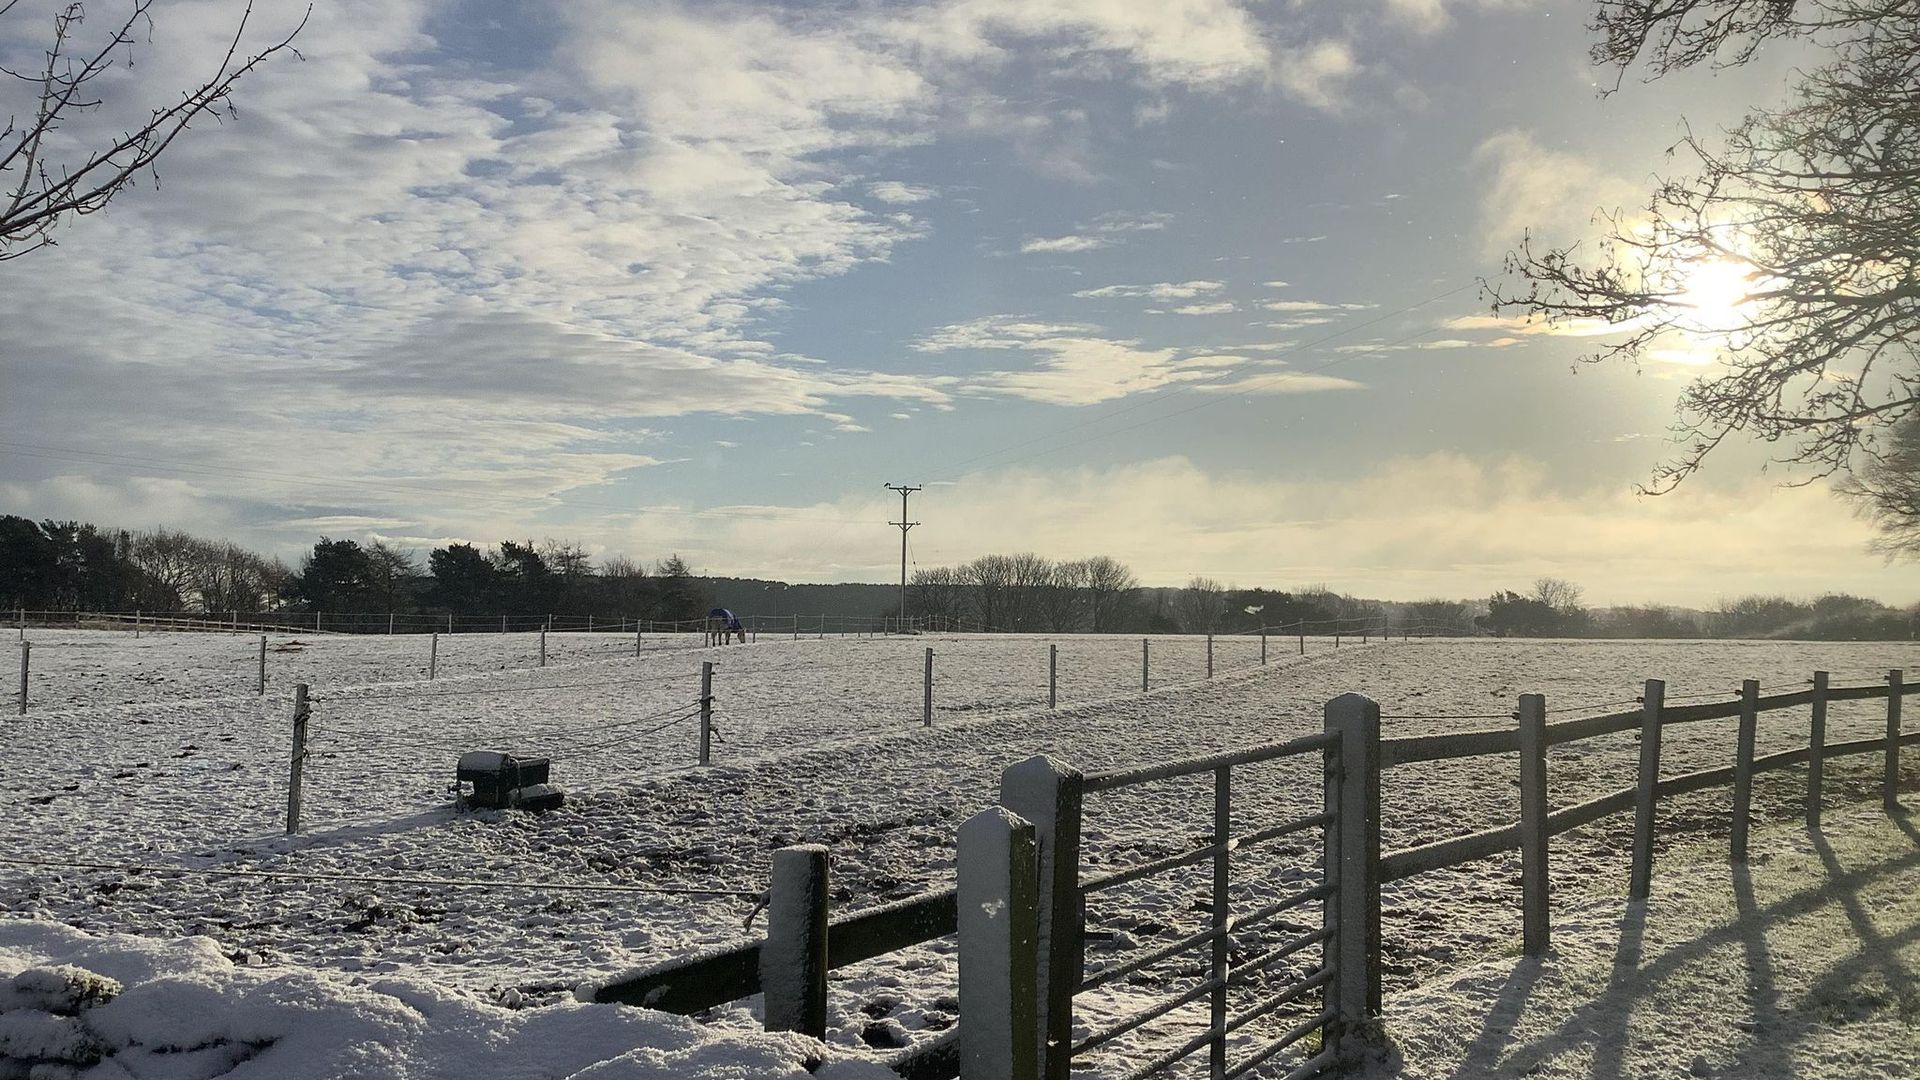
1716,294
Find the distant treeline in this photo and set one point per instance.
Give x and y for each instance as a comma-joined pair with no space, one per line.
73,566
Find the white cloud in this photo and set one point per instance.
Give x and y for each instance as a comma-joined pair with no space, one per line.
1221,307
1057,245
1163,291
1317,74
895,192
1553,193
1312,306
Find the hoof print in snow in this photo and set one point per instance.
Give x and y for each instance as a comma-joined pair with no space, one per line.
884,1035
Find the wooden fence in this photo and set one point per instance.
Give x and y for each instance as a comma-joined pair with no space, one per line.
1019,909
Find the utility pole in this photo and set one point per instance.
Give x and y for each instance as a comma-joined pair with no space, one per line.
903,524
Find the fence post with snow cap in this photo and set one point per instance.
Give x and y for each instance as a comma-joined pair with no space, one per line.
1536,911
1640,882
1890,787
1049,795
301,711
1743,769
1353,865
996,897
926,692
706,711
793,962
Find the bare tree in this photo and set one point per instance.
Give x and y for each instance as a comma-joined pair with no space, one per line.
936,593
40,185
393,567
1201,605
1557,593
1804,220
1063,602
1110,586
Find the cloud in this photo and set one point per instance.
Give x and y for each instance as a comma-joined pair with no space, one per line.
1312,306
1221,307
1553,193
1163,291
1105,231
1317,74
1076,364
1057,245
895,192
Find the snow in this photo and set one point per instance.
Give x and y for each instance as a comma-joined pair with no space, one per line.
180,1010
151,751
1804,963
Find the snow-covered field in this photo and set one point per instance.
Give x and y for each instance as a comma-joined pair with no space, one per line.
822,743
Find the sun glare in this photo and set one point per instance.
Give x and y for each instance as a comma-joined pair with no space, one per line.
1716,290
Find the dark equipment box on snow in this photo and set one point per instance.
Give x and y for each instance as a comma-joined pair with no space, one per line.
500,781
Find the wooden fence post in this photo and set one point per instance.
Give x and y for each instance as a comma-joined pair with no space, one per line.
706,711
926,692
433,656
1263,645
1048,794
1053,676
543,646
1220,919
793,962
389,624
1352,865
997,896
1302,628
1640,882
1209,656
1890,787
1143,665
1743,768
300,714
26,654
1536,890
1817,749
262,685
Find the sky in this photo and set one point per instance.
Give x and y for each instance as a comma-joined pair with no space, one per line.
1193,283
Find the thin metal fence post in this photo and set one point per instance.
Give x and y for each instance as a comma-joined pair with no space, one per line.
926,692
433,657
1890,786
1646,791
1536,910
300,713
1817,749
793,962
1743,768
1053,676
1354,868
261,687
1222,943
1048,794
997,894
706,711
